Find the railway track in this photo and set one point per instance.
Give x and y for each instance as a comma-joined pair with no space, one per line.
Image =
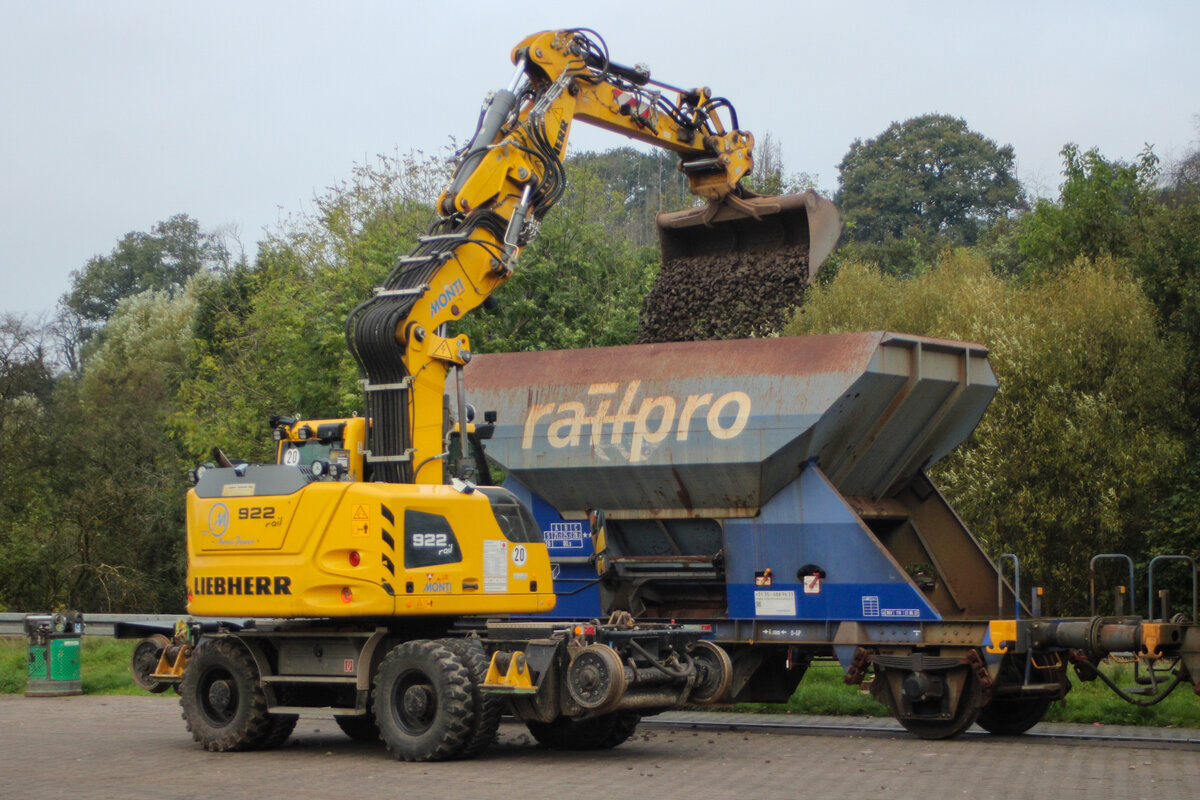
1053,732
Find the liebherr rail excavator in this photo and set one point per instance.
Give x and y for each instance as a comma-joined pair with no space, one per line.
357,583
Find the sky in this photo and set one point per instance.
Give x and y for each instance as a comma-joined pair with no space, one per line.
116,115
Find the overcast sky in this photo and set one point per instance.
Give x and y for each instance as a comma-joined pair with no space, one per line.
119,114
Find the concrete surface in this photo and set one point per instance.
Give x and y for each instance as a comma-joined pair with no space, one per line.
137,747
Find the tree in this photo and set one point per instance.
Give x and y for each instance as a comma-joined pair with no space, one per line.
644,185
770,174
26,385
270,338
1101,210
162,260
1082,444
922,184
117,472
576,285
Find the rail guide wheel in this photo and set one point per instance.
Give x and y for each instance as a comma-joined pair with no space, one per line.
714,671
145,661
596,677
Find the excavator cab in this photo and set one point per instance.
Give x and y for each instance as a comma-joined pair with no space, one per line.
330,449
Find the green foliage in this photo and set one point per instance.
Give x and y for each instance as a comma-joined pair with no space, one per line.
576,285
117,473
104,666
26,385
928,172
163,259
641,184
920,185
270,338
1100,212
1082,435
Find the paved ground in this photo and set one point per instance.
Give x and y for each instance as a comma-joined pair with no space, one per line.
137,747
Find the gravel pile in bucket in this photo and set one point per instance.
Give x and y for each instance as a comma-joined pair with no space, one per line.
728,295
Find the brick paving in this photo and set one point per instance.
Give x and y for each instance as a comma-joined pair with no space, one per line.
137,747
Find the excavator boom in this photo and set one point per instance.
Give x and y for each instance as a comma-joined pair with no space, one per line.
508,177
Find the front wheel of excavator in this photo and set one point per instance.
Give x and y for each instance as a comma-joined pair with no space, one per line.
595,733
423,704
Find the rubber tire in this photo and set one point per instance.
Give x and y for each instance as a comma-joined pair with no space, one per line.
430,673
145,661
359,728
624,726
1012,717
489,707
278,731
248,725
596,733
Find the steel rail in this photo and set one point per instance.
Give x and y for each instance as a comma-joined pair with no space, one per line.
754,724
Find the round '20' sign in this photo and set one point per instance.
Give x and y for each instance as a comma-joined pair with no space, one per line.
520,555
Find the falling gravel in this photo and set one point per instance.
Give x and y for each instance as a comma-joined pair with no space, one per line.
725,296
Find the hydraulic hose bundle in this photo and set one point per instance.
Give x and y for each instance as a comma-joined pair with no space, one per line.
375,333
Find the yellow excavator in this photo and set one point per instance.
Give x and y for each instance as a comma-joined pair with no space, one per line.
351,578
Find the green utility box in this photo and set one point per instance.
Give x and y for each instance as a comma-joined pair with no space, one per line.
55,654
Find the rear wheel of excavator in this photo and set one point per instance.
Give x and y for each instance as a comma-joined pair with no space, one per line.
595,733
360,728
224,705
489,707
423,702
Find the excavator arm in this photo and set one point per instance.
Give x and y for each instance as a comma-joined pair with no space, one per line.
508,177
565,75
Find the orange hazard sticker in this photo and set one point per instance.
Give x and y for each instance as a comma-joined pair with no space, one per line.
360,513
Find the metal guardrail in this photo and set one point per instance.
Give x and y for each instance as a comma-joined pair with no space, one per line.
13,623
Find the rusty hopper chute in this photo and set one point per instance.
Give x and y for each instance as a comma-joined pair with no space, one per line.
716,428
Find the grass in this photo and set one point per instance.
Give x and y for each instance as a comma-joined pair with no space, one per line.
105,670
104,667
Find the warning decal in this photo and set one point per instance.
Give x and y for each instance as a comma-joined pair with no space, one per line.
358,522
